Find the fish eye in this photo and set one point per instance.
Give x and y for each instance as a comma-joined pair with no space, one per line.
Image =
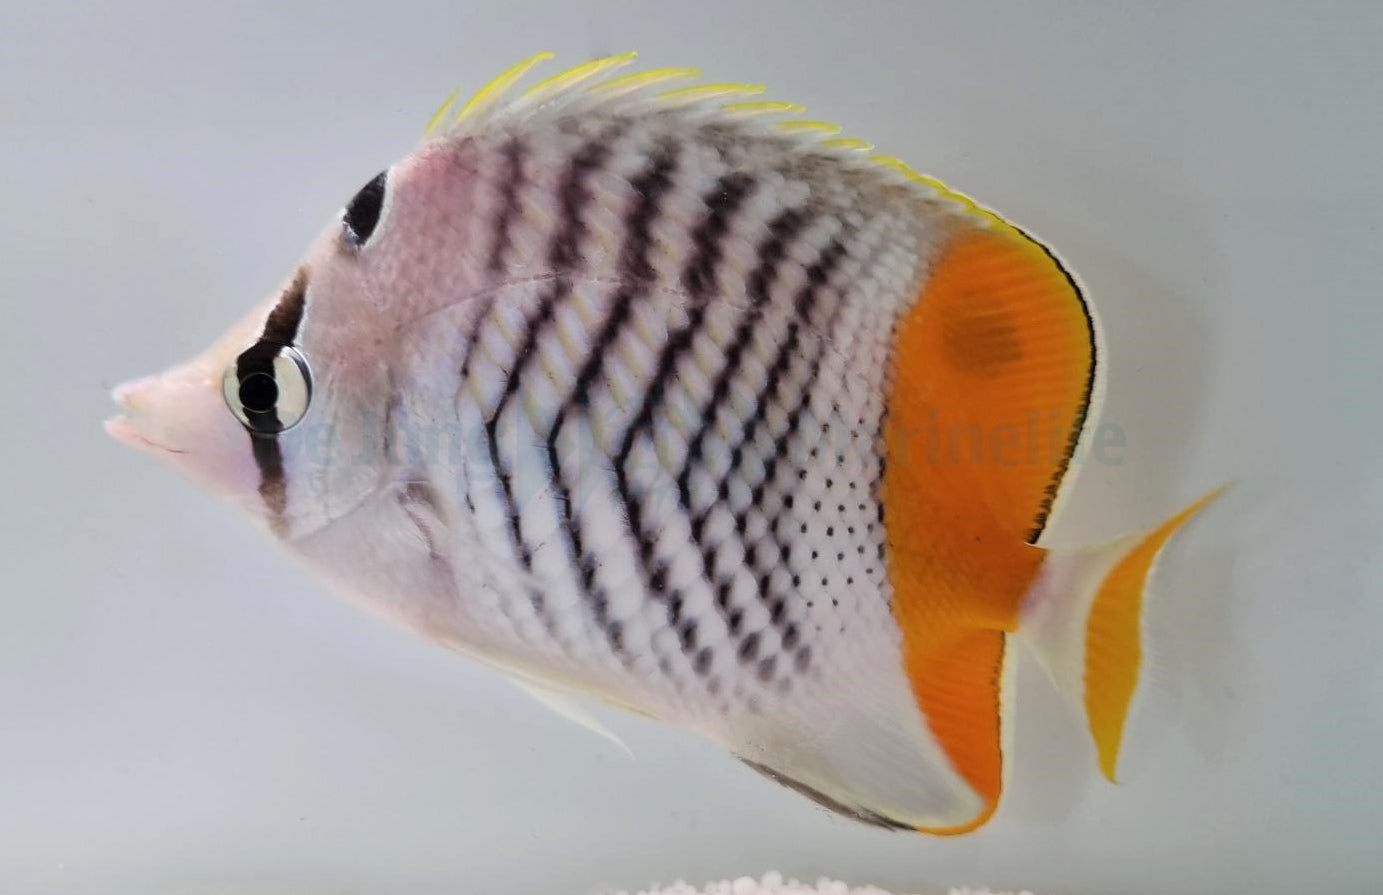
361,214
268,388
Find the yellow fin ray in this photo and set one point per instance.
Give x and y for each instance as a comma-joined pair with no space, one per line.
700,92
763,106
850,143
442,110
641,79
966,204
809,127
492,92
492,95
577,74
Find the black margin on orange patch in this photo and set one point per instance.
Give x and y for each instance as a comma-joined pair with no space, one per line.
1049,494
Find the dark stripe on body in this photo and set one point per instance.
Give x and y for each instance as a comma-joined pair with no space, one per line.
782,231
536,325
509,199
509,202
804,307
563,254
467,482
699,280
637,273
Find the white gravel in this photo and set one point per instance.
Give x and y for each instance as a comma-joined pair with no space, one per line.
774,884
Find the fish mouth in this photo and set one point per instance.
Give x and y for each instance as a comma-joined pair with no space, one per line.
123,429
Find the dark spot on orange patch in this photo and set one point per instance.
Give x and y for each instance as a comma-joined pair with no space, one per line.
977,340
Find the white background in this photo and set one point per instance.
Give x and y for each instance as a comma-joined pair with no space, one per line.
182,710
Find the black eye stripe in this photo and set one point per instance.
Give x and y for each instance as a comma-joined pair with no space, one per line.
253,393
268,388
281,327
362,212
251,385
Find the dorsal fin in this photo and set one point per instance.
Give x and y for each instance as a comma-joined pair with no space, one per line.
577,89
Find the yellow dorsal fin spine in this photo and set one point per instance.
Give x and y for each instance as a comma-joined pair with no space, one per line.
851,143
967,205
442,111
809,127
641,79
755,107
493,91
569,78
890,161
698,92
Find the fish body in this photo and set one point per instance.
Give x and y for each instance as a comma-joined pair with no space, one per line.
647,398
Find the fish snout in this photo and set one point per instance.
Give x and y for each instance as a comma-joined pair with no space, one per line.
159,408
181,417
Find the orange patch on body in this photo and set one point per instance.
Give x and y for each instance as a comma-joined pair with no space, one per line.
992,377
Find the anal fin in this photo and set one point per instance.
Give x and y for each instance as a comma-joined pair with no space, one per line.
854,812
960,688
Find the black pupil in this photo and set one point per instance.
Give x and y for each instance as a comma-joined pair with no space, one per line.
258,393
362,214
